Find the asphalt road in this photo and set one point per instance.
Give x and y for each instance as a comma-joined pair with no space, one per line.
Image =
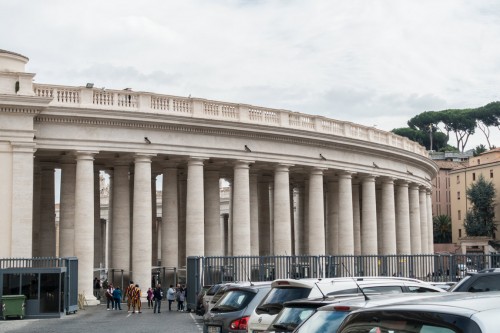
97,319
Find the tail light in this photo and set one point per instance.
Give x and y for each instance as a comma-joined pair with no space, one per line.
239,324
342,308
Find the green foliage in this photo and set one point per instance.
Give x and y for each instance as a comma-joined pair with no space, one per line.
479,150
449,148
439,139
442,229
479,218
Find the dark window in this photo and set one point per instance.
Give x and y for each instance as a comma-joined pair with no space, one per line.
273,303
459,214
233,300
49,292
473,176
29,283
458,195
486,283
491,173
418,289
11,284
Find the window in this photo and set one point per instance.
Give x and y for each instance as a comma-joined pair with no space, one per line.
458,195
478,161
491,173
473,176
459,214
458,179
459,233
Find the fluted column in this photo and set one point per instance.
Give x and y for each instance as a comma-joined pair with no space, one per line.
254,214
84,223
170,217
332,228
316,213
264,218
356,217
47,213
416,240
282,228
346,229
141,222
388,217
241,209
430,224
369,216
422,200
403,242
120,232
67,210
213,240
195,207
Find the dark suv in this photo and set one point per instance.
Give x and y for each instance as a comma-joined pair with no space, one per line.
485,280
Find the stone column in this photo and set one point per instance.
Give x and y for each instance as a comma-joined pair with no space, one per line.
120,232
141,222
346,229
254,214
154,223
47,214
430,224
302,245
170,217
388,217
97,219
22,199
416,239
282,231
422,200
316,213
241,209
333,217
195,219
84,223
109,225
182,190
213,240
67,210
356,216
37,185
403,239
6,199
264,218
369,216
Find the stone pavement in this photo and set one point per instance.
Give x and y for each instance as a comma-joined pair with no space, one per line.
97,319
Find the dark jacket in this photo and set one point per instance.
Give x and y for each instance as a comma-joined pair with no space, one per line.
117,294
158,294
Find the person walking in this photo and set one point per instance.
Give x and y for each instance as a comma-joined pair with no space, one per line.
158,296
109,298
150,297
136,299
181,297
170,297
117,298
128,294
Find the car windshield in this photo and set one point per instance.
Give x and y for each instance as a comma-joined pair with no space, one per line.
218,294
290,317
233,300
213,289
323,322
273,303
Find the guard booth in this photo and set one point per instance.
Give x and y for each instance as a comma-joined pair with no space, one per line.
50,285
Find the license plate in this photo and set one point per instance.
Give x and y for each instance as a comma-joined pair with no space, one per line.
213,329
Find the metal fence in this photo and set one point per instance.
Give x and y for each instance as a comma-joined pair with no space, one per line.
436,268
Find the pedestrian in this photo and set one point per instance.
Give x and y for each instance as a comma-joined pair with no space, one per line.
128,294
170,297
181,297
109,297
150,297
136,299
117,298
97,288
158,296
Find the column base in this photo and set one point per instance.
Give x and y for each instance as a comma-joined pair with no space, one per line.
91,300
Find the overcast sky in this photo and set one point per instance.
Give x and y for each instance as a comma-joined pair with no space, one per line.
373,62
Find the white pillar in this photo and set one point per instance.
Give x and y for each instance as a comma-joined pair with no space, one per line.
356,217
316,213
388,217
195,207
84,223
182,190
332,228
403,239
141,222
301,234
6,189
170,217
37,185
430,223
264,218
120,232
241,209
282,228
254,214
67,210
213,240
416,244
346,229
97,219
154,223
369,216
422,200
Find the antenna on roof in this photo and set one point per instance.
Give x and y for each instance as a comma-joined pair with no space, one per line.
321,291
356,282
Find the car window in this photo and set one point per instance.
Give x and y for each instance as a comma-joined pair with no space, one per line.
486,283
291,317
273,303
233,300
323,322
384,289
213,289
420,289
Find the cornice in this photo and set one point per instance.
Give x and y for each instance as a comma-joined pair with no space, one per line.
22,110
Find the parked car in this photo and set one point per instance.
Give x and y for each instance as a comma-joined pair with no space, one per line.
488,280
199,306
451,313
233,309
210,294
284,290
328,318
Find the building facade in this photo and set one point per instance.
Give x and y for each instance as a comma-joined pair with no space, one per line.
357,189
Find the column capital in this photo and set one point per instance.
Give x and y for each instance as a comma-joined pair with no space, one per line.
402,182
367,177
344,174
242,164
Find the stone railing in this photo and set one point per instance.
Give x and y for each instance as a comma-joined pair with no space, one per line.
128,100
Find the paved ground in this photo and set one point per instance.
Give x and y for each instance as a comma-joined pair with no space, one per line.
96,319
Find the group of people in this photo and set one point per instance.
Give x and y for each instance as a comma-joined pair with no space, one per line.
154,297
